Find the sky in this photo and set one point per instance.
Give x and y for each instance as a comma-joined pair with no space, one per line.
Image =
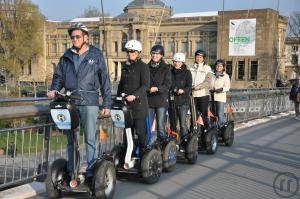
61,10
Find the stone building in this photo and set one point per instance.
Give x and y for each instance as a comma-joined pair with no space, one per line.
262,61
151,21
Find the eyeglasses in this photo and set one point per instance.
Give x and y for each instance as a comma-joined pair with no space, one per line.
76,37
130,51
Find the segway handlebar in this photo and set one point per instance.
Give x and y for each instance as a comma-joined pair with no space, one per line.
68,95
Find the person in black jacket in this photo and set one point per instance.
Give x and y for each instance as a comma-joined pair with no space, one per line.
134,82
160,83
181,88
83,71
295,96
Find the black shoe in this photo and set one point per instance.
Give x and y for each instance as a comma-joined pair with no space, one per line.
67,180
89,181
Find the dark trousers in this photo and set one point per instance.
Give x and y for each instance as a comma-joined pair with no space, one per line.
201,104
139,127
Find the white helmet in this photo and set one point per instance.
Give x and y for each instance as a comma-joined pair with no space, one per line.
133,45
78,26
179,57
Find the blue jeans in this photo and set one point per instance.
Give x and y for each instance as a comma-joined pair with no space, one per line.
88,119
181,112
220,113
160,115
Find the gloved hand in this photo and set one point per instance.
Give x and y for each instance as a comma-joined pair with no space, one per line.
219,90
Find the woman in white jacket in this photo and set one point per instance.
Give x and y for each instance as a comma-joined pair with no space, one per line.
202,76
221,86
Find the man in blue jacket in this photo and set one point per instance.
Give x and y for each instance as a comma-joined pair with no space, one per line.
82,69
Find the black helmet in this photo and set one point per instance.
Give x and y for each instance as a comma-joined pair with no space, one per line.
78,26
220,61
200,52
158,49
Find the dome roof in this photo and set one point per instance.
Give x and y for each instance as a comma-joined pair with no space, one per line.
146,3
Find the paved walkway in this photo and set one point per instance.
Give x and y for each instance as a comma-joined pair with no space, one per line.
249,169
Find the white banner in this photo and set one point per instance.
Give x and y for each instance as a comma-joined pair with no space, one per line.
242,34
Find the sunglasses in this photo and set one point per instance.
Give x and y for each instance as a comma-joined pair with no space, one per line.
76,37
130,51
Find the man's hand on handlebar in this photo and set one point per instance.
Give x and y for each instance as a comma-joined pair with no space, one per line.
51,94
105,111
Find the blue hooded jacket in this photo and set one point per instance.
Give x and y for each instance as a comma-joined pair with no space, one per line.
91,78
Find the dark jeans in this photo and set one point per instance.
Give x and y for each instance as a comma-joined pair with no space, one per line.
181,112
160,115
88,119
201,104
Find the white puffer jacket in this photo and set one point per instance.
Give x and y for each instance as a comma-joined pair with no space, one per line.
202,76
221,82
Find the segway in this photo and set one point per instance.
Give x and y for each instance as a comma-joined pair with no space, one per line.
226,132
187,147
128,157
168,150
208,135
65,115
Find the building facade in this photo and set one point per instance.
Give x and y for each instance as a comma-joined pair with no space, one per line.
152,22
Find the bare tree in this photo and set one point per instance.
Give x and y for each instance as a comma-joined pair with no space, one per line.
294,25
293,34
93,11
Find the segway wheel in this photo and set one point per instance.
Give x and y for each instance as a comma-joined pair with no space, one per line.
192,150
56,173
104,180
211,141
169,157
151,166
229,134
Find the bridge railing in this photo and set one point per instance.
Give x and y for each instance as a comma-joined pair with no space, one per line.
29,141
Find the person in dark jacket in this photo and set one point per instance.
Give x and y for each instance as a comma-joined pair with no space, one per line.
160,83
295,96
83,71
181,88
134,83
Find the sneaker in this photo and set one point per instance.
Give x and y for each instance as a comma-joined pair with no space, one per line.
297,118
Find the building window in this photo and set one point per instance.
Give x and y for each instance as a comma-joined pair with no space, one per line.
185,48
29,68
229,68
53,47
295,48
241,70
294,59
124,40
64,46
116,46
253,70
116,71
171,46
199,45
138,34
22,70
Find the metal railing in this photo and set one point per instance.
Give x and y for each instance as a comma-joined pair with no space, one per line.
27,148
